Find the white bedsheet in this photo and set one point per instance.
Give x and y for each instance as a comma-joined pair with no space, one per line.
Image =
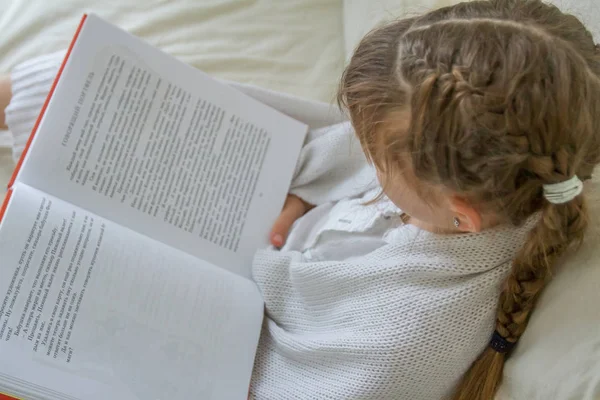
293,46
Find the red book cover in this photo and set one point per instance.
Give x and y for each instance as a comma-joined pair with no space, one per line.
7,397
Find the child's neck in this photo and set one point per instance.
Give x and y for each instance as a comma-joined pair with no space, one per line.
407,219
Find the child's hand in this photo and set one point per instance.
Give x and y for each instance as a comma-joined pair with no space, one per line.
293,209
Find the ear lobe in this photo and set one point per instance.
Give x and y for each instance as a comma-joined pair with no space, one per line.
468,216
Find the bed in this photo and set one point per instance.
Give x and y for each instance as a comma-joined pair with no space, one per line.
299,47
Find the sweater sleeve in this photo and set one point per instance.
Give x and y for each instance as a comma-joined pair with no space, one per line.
332,166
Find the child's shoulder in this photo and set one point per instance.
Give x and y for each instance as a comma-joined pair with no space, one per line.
461,253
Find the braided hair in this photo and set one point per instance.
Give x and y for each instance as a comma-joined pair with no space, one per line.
503,98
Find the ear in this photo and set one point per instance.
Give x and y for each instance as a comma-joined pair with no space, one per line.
468,216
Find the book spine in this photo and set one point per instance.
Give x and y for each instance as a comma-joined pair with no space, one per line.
43,110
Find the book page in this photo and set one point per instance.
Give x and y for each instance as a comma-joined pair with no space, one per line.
141,139
95,311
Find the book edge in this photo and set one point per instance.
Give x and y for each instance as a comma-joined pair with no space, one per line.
2,211
45,106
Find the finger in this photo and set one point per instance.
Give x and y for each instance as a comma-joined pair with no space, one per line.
293,209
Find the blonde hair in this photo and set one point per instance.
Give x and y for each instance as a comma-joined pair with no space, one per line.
503,98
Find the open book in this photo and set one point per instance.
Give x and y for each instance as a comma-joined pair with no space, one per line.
127,234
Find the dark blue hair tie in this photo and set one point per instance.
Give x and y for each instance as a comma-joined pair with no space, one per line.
500,344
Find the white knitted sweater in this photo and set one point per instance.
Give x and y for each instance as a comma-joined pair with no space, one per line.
376,310
402,321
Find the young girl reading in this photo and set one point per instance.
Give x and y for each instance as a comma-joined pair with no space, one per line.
481,121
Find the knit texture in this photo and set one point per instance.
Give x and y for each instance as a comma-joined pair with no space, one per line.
403,322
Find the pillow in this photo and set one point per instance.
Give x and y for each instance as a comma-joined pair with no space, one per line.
558,357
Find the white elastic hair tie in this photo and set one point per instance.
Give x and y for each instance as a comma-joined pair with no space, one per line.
563,192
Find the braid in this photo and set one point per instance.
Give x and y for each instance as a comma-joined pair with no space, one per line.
559,227
501,98
498,139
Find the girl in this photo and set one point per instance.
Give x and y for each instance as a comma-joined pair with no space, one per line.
481,121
